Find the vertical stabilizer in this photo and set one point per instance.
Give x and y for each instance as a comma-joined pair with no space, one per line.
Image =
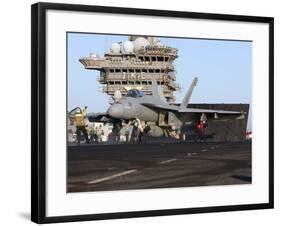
187,96
155,90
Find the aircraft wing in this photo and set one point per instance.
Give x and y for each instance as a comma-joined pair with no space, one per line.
190,110
160,106
198,110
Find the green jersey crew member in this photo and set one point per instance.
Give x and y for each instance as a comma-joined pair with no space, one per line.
80,124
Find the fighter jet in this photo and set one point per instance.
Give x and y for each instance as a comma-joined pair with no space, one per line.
164,116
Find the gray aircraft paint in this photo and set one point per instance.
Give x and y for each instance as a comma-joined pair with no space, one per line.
152,108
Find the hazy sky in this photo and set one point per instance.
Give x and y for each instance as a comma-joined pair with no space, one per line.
224,70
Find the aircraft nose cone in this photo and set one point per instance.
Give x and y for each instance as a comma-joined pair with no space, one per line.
116,111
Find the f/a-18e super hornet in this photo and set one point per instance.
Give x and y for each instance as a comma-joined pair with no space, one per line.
164,116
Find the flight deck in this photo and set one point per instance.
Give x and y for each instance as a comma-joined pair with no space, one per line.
162,165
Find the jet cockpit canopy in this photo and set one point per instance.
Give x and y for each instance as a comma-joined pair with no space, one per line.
135,93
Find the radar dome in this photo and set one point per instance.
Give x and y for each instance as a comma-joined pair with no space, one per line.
115,48
127,47
140,43
93,55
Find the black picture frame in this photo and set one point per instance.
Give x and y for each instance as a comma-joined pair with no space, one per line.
38,110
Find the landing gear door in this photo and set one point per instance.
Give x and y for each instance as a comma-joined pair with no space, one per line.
163,118
173,120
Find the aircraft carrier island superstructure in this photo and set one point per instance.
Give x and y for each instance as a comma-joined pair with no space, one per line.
133,64
139,62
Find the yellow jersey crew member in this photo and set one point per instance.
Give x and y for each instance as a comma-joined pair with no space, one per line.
80,124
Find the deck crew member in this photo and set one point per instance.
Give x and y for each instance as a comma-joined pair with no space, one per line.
80,124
